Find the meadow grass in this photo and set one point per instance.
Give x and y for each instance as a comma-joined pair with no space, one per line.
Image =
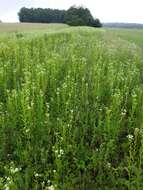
28,27
71,110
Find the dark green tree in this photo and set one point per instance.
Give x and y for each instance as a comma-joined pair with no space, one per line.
40,15
96,23
74,16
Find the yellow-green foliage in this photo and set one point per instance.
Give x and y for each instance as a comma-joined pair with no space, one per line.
71,110
28,27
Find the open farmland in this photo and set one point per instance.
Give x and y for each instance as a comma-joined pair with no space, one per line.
29,27
71,109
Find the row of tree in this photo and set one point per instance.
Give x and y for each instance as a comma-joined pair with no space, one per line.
74,16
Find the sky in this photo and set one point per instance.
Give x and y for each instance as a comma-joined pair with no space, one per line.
106,10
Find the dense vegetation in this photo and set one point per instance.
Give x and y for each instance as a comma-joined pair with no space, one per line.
74,16
71,110
40,15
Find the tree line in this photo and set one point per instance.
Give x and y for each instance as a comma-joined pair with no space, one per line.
74,16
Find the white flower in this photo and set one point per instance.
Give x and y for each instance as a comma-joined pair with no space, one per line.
6,187
47,105
134,95
56,151
109,165
8,178
59,156
14,170
58,91
61,151
130,137
28,107
51,187
124,112
27,130
37,175
47,115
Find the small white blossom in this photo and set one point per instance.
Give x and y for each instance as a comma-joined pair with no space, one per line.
56,151
47,105
47,115
134,95
14,170
58,91
51,187
109,165
37,175
61,151
29,107
130,137
43,183
8,178
6,186
83,78
59,156
27,130
124,112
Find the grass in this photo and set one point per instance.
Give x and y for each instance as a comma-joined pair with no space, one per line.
28,27
71,110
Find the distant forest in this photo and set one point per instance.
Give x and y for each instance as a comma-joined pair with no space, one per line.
74,16
123,25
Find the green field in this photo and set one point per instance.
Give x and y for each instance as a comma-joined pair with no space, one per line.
71,108
29,27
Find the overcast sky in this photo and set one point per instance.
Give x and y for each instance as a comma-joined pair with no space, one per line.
105,10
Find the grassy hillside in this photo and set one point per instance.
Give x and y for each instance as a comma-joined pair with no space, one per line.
27,27
71,109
